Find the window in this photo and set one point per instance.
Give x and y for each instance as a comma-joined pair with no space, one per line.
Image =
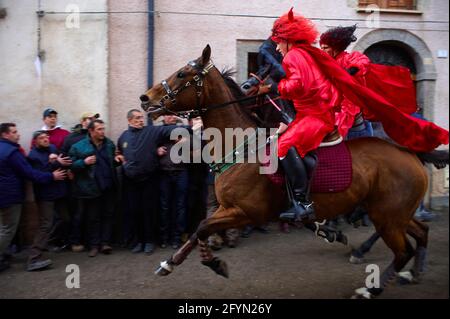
252,65
247,54
390,4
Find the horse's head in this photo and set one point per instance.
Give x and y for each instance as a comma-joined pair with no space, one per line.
251,86
182,91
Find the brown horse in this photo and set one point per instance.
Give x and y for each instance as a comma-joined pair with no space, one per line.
387,180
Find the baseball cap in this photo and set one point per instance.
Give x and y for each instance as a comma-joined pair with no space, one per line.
37,133
87,115
48,112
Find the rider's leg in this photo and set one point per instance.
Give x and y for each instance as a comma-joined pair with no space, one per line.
296,172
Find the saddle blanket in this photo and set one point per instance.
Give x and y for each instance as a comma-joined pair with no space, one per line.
333,173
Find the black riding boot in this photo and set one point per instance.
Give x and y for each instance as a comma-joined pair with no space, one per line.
297,175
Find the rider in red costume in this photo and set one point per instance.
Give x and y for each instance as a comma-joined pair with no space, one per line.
316,84
315,100
334,42
394,83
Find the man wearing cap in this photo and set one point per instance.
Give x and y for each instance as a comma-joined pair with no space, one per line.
14,169
79,132
49,197
55,132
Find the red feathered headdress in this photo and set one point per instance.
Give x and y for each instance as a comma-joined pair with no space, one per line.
294,28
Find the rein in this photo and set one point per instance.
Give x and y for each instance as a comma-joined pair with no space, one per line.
199,86
202,111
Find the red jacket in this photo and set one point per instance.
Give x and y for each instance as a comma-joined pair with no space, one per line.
315,100
346,116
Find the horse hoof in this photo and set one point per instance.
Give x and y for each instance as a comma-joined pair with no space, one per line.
357,260
362,293
406,278
341,238
223,269
164,269
218,266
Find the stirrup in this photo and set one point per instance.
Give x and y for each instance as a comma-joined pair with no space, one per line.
298,212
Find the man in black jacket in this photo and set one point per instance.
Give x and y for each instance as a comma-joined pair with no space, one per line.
140,147
173,186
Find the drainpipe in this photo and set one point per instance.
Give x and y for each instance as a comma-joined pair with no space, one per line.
151,39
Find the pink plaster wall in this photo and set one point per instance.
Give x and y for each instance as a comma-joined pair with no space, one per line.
127,74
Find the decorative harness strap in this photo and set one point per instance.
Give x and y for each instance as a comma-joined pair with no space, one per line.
233,157
198,85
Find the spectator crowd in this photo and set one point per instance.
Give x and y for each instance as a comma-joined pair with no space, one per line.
93,194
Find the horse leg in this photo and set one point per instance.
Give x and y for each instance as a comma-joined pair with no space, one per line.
167,266
419,231
222,220
327,232
403,251
357,255
421,248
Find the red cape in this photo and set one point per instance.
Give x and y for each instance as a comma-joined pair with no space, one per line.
394,83
415,134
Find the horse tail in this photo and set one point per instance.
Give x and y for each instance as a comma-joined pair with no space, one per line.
440,159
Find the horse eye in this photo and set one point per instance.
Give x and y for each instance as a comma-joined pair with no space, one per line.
180,75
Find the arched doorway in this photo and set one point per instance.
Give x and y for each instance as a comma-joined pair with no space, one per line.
392,53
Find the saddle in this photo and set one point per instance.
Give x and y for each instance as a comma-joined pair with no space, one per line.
332,139
333,172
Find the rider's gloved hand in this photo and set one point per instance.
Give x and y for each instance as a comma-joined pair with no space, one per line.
353,70
264,89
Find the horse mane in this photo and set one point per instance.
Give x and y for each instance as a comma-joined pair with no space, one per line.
237,93
227,74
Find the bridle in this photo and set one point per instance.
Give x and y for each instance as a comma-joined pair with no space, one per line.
197,82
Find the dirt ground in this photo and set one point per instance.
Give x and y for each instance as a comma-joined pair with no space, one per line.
274,265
